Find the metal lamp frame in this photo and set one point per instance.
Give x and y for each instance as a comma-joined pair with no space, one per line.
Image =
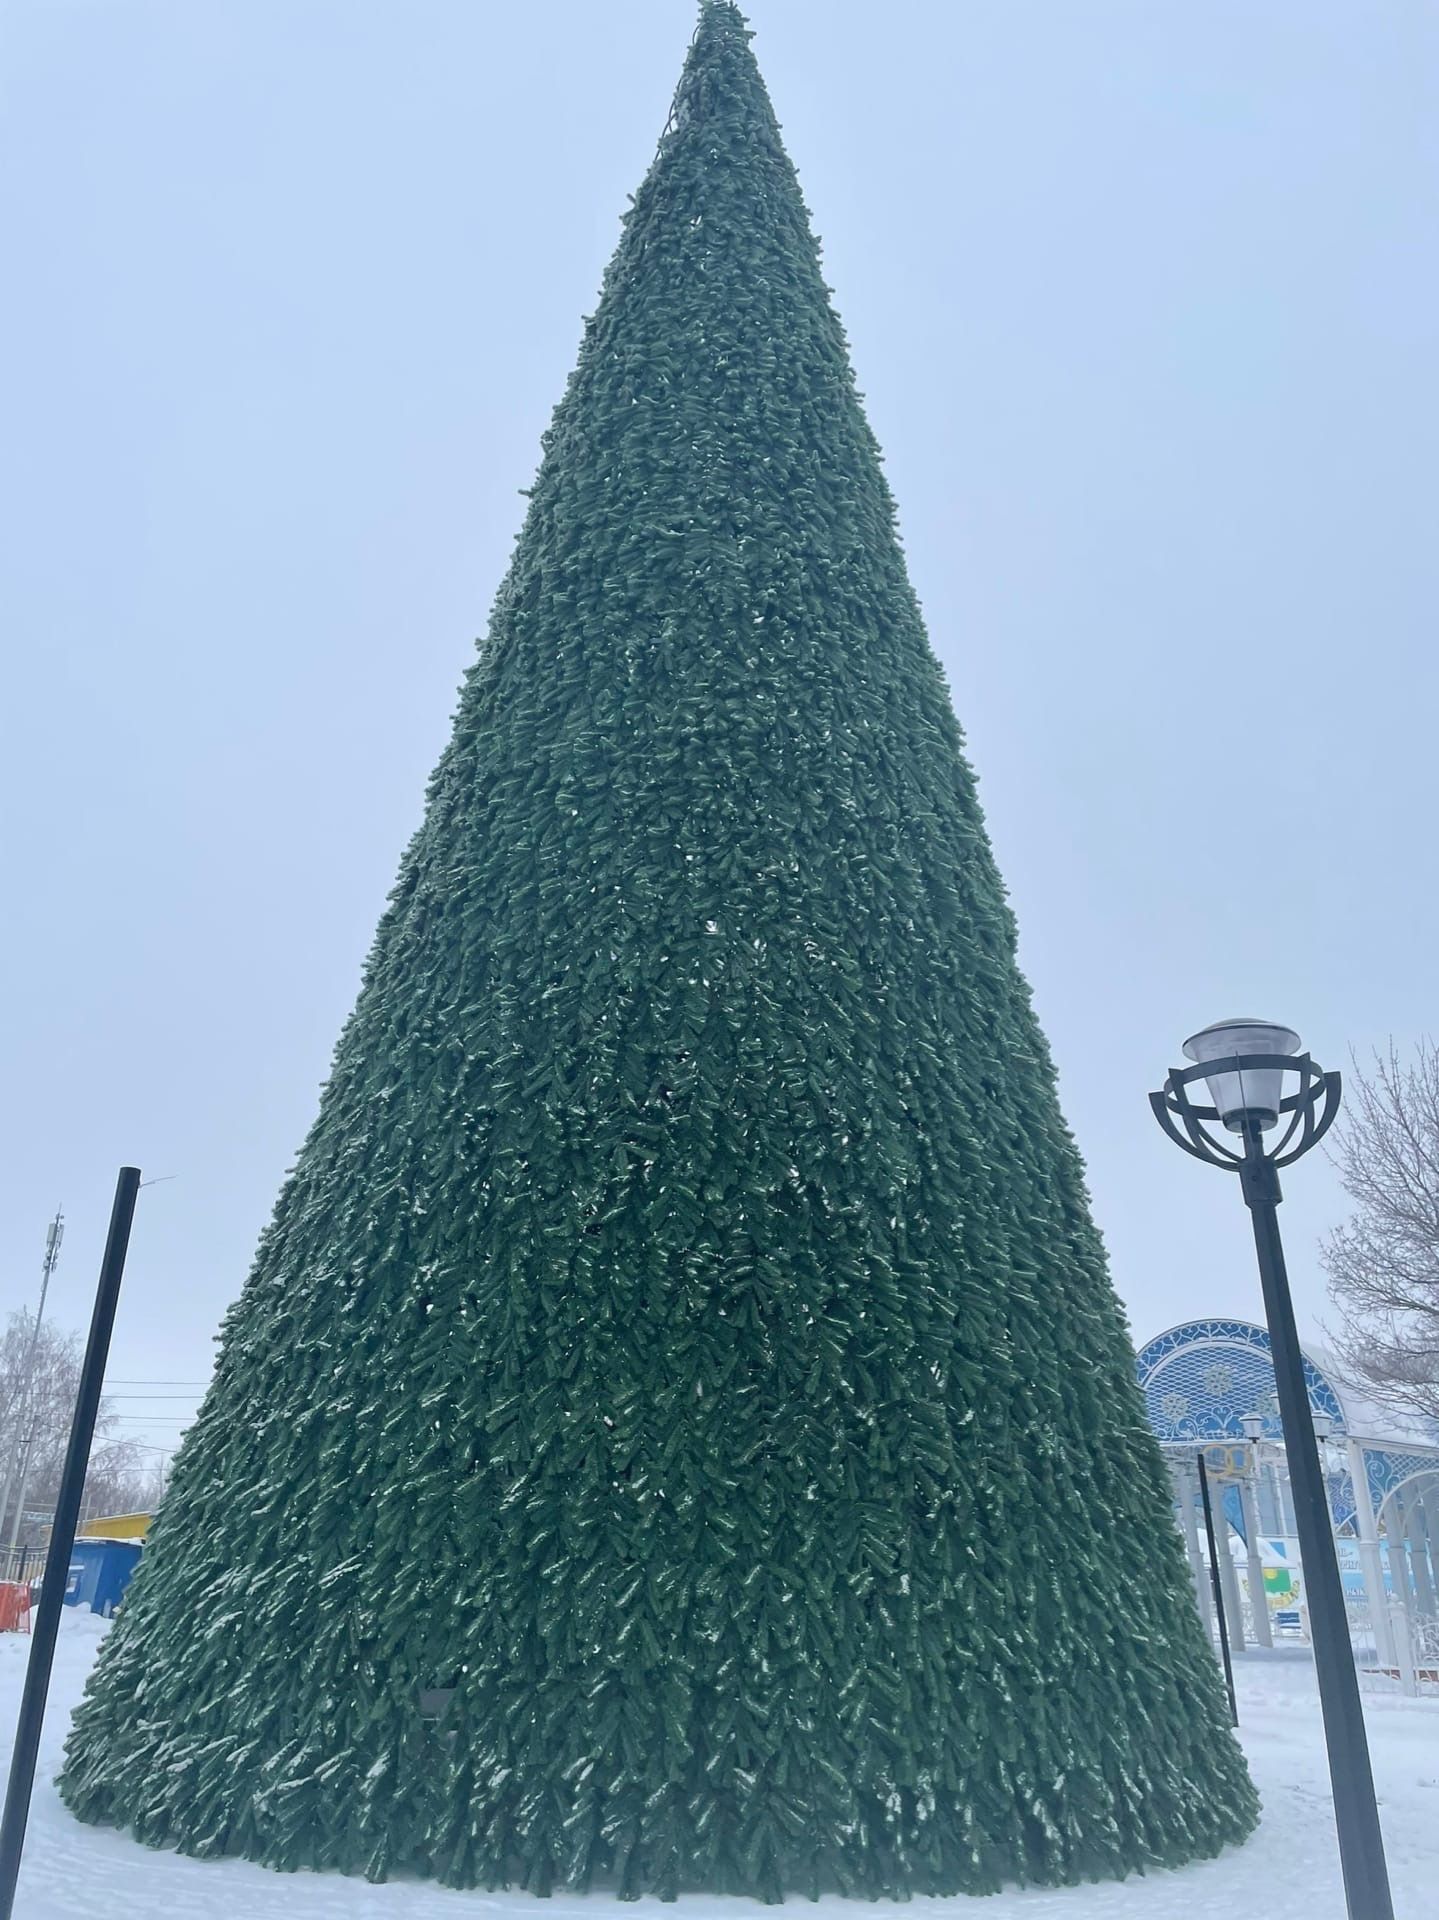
1311,1110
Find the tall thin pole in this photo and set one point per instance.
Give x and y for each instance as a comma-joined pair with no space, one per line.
62,1541
1356,1812
1218,1587
24,1425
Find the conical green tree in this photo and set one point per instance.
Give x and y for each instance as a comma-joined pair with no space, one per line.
679,1432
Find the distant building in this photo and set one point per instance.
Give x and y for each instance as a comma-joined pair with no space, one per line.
117,1526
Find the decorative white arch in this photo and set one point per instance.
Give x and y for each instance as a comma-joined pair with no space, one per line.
1408,1520
1201,1378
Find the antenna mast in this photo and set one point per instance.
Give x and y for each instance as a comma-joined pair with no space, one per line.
24,1421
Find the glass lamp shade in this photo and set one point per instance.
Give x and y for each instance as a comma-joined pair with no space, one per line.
1323,1425
1239,1096
1253,1425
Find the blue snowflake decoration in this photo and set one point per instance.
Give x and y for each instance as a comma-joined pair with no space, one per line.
1200,1379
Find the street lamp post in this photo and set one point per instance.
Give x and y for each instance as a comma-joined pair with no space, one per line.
1245,1064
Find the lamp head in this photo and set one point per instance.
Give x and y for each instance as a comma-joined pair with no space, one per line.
1243,1097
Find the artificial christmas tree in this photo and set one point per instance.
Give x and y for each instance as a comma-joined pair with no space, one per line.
679,1432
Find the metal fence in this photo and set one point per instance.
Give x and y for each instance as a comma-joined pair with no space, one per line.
21,1564
1409,1663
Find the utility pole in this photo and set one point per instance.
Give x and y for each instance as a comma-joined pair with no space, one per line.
24,1422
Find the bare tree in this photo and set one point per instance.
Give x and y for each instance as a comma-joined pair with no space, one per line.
35,1414
123,1478
1383,1265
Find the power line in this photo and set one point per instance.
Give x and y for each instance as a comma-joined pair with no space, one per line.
159,1383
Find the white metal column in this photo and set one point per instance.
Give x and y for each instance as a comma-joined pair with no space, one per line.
1291,1522
1428,1518
1419,1553
1371,1559
1229,1577
1186,1487
1258,1603
1396,1530
1270,1475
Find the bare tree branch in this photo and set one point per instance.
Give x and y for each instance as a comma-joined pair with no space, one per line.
38,1408
1383,1264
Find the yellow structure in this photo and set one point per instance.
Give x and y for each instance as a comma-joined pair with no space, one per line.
117,1526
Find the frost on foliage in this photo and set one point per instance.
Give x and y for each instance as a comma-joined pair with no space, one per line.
678,1427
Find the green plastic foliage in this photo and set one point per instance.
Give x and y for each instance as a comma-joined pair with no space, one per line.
682,1353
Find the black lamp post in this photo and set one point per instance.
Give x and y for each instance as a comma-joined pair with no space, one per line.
1245,1064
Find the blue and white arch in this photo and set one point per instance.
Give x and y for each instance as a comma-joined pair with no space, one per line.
1201,1378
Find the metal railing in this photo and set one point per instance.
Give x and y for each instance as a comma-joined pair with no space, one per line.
21,1564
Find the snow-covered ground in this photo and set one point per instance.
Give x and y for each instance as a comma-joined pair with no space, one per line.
1288,1871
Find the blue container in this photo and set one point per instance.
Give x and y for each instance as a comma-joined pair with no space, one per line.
99,1573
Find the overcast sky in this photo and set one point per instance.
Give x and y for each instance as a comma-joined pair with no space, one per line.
1143,300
